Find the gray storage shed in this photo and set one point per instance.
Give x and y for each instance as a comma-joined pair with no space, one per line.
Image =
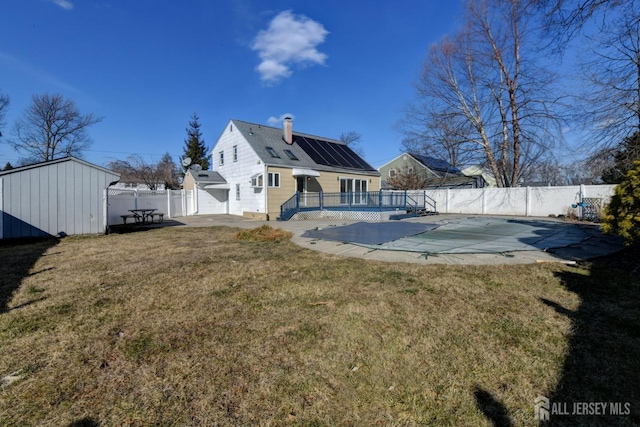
59,197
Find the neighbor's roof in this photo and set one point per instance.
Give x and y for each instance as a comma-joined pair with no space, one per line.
55,161
306,152
435,164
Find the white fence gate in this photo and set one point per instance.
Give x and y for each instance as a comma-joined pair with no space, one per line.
173,203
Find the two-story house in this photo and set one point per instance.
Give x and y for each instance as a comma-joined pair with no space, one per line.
261,167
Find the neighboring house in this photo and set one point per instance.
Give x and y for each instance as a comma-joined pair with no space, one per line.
55,198
484,172
265,166
438,173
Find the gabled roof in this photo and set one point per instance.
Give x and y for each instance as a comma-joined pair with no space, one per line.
53,162
435,164
306,151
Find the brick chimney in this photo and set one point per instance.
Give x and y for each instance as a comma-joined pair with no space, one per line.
287,129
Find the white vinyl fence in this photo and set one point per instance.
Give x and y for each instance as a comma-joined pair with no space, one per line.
173,203
521,201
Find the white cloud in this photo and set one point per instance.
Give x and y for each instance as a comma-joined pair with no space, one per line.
277,121
65,4
290,39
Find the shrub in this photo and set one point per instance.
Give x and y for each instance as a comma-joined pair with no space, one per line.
622,215
264,233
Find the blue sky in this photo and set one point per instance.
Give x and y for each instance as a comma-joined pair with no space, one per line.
146,65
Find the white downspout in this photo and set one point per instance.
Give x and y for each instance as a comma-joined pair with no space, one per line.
266,193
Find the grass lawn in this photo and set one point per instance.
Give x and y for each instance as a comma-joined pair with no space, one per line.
212,326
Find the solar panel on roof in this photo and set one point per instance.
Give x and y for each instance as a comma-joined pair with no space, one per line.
331,154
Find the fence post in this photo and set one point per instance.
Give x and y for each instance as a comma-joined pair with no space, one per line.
135,198
582,191
321,201
484,200
447,201
105,211
168,203
527,208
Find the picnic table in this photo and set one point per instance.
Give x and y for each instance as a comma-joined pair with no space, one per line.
143,216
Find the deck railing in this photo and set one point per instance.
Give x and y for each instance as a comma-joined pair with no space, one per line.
357,201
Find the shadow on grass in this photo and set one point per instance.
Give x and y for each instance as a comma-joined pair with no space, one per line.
603,356
134,228
84,422
17,257
603,359
492,408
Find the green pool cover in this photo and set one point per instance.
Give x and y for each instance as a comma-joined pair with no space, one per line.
462,236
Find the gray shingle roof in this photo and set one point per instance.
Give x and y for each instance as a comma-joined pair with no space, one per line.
260,137
207,177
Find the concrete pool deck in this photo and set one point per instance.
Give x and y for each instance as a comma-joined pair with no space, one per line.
591,242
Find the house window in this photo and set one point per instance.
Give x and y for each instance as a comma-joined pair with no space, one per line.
257,181
410,169
237,191
290,154
273,179
221,158
272,152
392,173
353,191
230,128
235,153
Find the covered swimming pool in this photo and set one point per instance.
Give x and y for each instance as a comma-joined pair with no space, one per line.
464,235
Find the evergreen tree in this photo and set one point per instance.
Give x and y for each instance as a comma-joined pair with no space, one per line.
194,147
622,215
8,166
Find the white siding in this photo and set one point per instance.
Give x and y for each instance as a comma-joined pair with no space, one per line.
239,172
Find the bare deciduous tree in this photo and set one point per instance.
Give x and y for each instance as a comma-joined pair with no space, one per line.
407,179
4,104
52,127
611,98
169,172
564,19
136,170
353,140
479,97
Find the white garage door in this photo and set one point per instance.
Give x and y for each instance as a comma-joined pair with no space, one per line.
213,201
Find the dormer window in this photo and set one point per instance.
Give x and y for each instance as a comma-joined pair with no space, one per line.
291,155
272,152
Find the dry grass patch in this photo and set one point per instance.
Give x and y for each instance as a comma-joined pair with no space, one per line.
264,233
201,326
